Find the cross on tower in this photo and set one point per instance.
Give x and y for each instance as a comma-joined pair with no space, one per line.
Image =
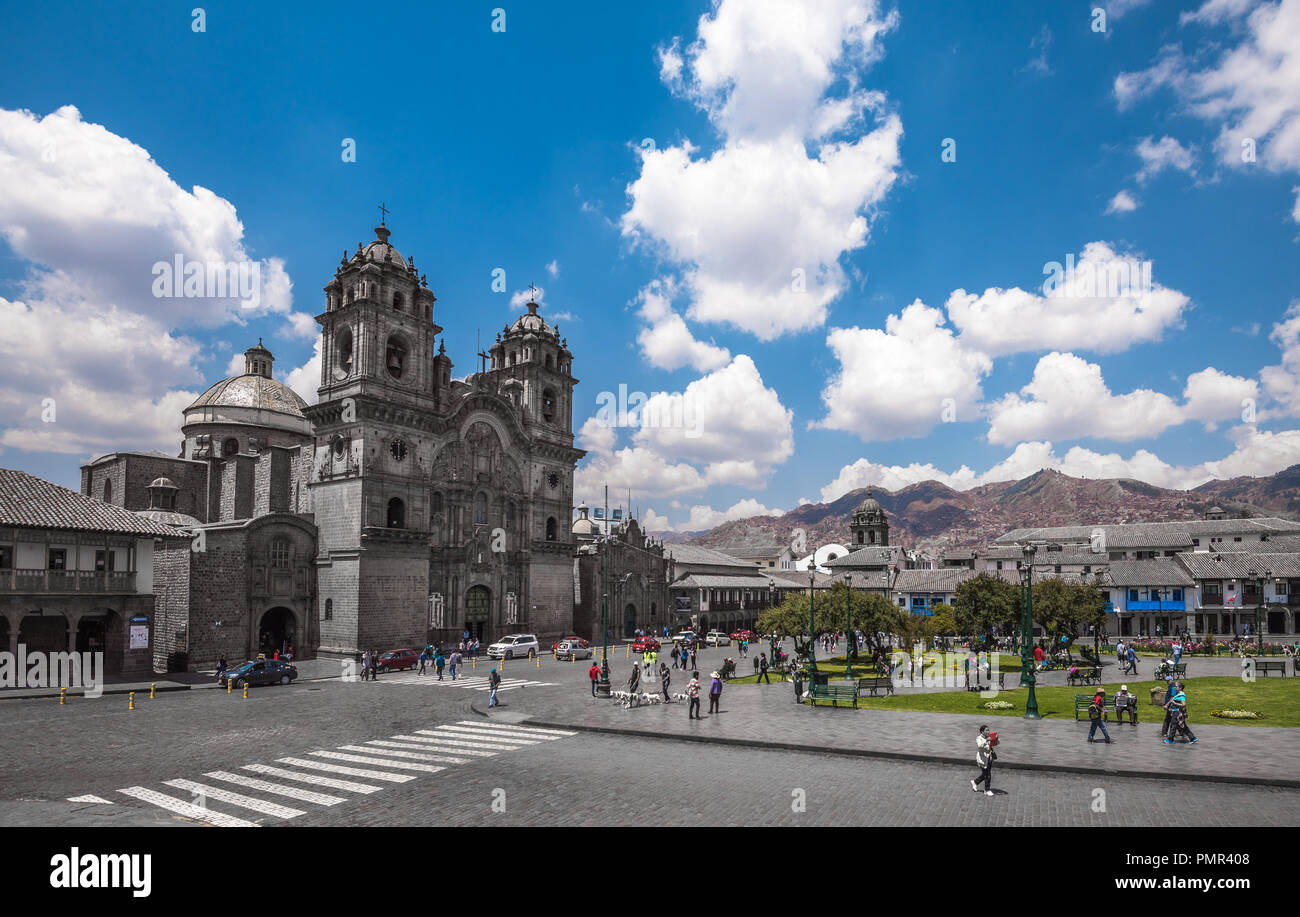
532,292
383,213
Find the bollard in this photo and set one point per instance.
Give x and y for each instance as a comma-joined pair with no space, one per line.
245,690
229,685
539,660
629,652
131,701
63,696
152,686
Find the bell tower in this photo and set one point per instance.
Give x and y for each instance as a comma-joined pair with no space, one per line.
373,450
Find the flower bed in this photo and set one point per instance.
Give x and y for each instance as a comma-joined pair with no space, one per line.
1236,714
997,705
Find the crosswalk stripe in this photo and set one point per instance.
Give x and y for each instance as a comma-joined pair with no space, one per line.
90,798
408,755
411,746
377,762
515,727
457,738
349,771
488,734
314,779
236,799
181,807
279,789
444,745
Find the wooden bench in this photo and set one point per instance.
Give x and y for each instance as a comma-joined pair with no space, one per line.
833,693
1085,676
1264,666
875,684
1083,701
1179,671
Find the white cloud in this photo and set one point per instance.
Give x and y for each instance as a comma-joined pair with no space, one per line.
236,365
1282,382
1109,303
666,341
303,325
553,268
706,517
1212,396
1251,91
1123,202
1042,43
758,227
1165,153
305,379
519,298
904,380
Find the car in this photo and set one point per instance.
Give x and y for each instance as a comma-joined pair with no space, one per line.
555,647
259,672
514,646
745,635
716,638
645,644
574,649
397,660
686,637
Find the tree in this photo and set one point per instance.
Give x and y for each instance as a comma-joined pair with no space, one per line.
984,604
1062,607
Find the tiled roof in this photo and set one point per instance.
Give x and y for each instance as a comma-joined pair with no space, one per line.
31,502
1160,571
944,579
1136,532
714,581
863,579
695,554
1212,565
874,556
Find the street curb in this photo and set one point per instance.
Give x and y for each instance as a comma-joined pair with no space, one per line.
910,756
82,694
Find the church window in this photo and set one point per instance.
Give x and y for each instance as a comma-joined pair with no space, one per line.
437,504
108,491
510,514
395,360
396,514
230,447
480,509
548,361
280,552
548,405
343,353
861,537
398,302
329,609
550,528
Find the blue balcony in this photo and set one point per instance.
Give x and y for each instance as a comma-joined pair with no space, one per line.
1169,605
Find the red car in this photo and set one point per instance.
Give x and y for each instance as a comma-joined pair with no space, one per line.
395,660
744,635
645,645
556,645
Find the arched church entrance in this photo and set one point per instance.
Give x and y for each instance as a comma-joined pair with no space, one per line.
478,612
629,621
44,633
277,631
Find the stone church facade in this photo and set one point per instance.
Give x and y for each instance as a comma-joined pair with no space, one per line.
405,506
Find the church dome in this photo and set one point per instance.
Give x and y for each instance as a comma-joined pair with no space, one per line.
252,391
531,323
869,505
381,250
163,482
584,527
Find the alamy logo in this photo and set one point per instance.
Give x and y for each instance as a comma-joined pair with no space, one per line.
103,870
52,670
182,279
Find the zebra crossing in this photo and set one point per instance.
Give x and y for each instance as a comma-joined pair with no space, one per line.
465,682
329,777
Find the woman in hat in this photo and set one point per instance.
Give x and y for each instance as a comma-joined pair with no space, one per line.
715,692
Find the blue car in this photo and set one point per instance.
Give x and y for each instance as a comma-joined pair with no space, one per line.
259,672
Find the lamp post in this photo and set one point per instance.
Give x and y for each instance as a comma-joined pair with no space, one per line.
812,634
1028,678
1259,633
848,627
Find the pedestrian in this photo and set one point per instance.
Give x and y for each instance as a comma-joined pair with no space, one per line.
1169,714
494,682
755,668
762,669
693,693
676,654
275,655
984,757
715,693
221,666
634,682
694,654
1038,657
1132,661
439,662
1097,713
664,679
1179,705
453,663
1178,652
594,674
424,660
1126,701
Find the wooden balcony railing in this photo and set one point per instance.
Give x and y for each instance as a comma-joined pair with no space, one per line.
55,581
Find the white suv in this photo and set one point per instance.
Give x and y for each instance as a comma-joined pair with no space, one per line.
514,646
716,638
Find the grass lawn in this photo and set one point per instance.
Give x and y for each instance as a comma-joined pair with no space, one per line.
1277,700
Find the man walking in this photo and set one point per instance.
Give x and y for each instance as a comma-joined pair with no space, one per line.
1132,661
715,693
762,670
454,663
1097,713
594,674
439,661
494,681
1178,712
984,755
424,660
1166,728
664,679
693,693
676,654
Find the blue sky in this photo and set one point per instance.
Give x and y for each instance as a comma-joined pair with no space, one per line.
676,165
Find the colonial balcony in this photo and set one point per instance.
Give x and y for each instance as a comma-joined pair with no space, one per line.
67,581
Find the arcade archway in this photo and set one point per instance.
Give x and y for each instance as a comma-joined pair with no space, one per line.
277,631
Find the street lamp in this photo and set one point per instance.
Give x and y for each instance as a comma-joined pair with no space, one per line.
812,634
1028,678
1259,634
848,627
602,687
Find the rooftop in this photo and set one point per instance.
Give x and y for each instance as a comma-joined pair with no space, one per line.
31,502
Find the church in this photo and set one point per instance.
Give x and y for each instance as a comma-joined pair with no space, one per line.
404,507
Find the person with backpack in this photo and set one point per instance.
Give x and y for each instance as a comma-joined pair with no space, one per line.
494,682
1097,714
693,693
439,662
1178,710
594,674
984,757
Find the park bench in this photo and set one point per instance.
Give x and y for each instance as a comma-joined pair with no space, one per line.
875,684
1085,676
1178,671
1264,666
1083,701
833,693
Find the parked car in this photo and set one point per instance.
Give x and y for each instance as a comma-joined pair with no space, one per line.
716,638
555,647
646,644
574,649
514,646
686,638
396,660
259,672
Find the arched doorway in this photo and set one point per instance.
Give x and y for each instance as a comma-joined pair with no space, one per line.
277,631
478,612
92,633
704,623
629,620
43,633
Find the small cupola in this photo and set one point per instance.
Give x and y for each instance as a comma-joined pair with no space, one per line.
258,360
